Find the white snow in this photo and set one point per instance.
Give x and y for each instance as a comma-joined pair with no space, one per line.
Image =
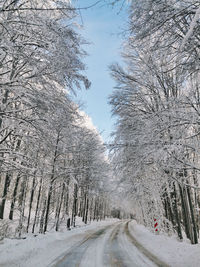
94,255
133,253
169,249
191,27
42,250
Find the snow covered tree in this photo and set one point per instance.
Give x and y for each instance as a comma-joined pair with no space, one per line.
44,150
157,124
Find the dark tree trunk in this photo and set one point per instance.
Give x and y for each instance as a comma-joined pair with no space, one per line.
59,208
74,209
170,212
196,203
86,211
195,239
95,210
104,209
12,206
166,212
67,198
31,202
84,207
48,205
175,206
37,206
42,217
188,219
91,208
5,191
22,201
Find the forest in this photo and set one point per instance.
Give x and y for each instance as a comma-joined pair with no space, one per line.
53,166
157,103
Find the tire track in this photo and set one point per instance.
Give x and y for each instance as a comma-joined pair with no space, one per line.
121,249
145,251
115,257
75,255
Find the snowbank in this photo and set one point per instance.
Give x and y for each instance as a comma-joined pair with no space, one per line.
42,250
168,249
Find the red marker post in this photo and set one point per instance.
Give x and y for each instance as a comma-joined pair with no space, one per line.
155,225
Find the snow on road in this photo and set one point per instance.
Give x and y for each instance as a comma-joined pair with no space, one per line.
106,247
42,250
134,254
88,252
107,243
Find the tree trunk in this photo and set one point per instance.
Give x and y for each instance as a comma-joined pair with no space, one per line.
37,206
51,185
86,211
170,212
94,212
12,206
42,218
188,219
60,205
178,224
31,202
48,205
195,238
84,207
91,208
22,204
5,191
184,213
74,210
67,198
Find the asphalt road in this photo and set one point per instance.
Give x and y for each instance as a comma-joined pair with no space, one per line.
111,246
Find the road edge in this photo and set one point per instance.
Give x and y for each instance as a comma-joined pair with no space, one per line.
145,251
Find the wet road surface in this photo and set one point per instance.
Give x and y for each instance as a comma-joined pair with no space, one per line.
111,246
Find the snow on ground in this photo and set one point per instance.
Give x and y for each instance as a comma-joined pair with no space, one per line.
134,254
168,249
42,250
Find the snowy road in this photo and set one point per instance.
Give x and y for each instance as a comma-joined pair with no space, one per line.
111,246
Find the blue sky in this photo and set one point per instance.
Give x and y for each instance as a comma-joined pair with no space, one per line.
102,27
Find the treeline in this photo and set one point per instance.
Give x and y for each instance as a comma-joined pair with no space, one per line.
157,102
52,165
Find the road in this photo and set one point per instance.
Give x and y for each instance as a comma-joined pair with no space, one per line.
110,246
